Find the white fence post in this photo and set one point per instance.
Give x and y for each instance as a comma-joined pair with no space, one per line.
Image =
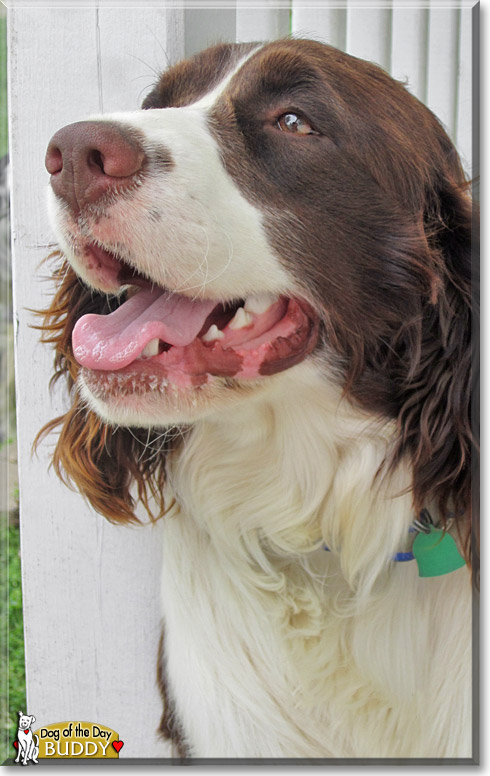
442,65
266,23
91,589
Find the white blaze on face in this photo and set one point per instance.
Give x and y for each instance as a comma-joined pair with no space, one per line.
188,226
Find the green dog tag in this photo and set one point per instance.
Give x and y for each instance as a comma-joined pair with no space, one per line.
436,553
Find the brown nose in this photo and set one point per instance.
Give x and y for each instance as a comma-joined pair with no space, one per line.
89,158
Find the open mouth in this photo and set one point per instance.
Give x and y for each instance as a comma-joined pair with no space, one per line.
157,336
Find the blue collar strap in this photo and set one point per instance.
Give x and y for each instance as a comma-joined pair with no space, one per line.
434,549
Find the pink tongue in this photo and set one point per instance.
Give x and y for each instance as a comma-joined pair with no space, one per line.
113,341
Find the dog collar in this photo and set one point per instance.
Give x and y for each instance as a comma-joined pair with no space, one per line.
434,549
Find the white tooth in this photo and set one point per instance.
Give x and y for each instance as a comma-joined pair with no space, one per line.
259,304
213,333
151,349
240,319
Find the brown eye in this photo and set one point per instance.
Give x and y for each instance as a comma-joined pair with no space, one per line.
291,122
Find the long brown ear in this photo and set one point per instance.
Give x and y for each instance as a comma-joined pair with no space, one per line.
101,461
437,418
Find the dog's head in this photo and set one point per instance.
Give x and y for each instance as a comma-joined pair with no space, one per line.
25,721
270,204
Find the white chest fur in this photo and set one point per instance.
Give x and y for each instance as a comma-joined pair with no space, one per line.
276,648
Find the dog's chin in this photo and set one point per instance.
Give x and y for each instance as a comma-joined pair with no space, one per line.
130,403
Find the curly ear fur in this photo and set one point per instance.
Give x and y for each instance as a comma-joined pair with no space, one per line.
435,414
101,461
426,372
436,419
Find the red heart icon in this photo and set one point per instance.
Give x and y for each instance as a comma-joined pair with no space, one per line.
26,732
118,745
16,744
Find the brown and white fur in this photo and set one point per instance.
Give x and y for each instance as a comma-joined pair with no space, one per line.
358,207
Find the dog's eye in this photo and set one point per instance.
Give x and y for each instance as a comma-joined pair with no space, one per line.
291,122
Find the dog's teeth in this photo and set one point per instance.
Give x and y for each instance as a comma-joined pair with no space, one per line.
151,349
213,333
259,304
241,319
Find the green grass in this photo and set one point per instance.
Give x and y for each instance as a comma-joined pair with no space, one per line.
12,667
12,684
17,678
3,88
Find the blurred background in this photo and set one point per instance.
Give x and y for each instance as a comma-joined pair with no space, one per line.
12,677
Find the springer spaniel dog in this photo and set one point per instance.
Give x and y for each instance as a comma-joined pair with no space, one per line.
264,312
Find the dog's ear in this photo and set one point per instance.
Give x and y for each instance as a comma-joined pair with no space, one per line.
436,419
33,719
20,713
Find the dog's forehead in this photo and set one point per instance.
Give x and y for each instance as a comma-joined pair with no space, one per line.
189,81
252,71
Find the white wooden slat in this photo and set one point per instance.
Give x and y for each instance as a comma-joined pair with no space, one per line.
91,589
442,65
156,41
325,24
369,34
464,114
265,23
409,48
204,27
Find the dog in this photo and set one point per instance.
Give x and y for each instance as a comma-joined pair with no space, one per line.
264,313
28,744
